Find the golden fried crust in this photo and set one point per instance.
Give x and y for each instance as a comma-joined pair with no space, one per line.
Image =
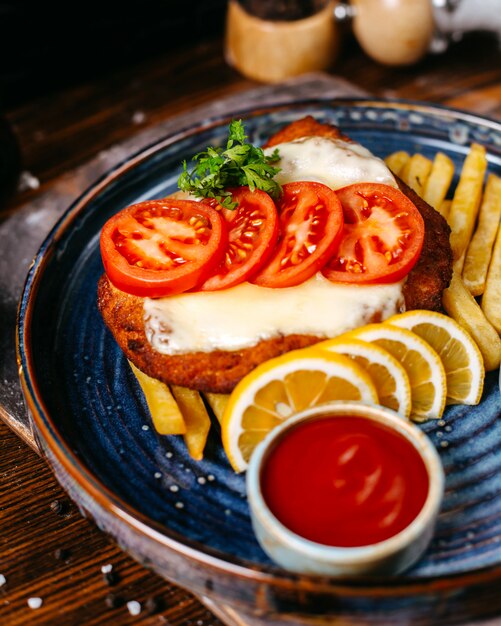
217,371
433,271
305,127
220,371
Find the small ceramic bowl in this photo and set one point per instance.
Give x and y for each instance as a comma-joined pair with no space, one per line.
390,556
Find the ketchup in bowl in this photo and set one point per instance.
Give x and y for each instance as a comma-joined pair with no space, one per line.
344,481
345,489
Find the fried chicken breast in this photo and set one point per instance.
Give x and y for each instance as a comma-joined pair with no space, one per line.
219,371
433,272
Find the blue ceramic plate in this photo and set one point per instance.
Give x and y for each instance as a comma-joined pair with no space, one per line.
190,520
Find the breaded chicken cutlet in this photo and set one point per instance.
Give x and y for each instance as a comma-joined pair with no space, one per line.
219,371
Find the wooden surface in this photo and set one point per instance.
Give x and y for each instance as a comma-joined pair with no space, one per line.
63,130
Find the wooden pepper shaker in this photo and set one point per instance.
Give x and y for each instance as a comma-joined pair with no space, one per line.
271,40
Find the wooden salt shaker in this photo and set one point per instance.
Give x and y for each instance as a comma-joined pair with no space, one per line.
394,32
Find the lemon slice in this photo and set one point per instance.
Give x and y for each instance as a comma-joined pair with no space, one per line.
460,355
422,364
280,387
388,376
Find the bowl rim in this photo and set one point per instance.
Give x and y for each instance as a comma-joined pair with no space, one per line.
353,554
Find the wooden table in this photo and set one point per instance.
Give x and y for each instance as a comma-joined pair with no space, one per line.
47,549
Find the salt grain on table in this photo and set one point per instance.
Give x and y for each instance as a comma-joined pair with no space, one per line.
139,117
134,607
27,181
35,603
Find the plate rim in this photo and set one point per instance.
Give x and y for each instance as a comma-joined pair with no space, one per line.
136,521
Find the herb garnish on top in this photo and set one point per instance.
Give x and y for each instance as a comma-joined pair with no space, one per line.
219,169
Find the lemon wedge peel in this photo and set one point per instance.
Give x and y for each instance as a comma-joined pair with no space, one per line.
388,375
422,364
277,389
460,355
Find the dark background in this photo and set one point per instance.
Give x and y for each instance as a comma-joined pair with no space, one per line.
51,45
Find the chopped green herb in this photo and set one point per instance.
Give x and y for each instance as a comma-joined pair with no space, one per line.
239,164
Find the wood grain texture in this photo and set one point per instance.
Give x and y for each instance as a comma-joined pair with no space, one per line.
60,131
63,130
71,585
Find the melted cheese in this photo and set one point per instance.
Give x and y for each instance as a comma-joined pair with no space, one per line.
334,162
242,316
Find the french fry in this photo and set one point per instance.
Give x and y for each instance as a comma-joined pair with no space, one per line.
479,251
462,306
165,414
196,418
217,402
466,201
396,161
439,181
459,263
491,300
445,208
416,172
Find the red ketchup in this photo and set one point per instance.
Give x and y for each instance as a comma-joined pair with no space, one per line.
344,481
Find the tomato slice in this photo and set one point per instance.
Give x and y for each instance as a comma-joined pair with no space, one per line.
162,247
311,222
252,234
382,239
